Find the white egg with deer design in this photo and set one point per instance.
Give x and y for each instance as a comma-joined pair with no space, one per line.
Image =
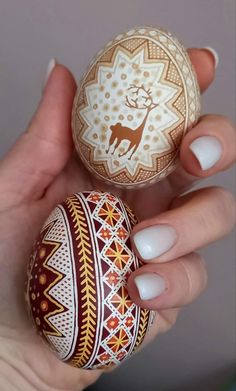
133,107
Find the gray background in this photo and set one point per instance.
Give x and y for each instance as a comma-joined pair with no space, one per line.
199,353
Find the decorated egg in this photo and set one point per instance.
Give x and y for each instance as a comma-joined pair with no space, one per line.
133,107
77,282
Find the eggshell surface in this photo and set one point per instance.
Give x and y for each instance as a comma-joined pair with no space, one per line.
77,277
133,107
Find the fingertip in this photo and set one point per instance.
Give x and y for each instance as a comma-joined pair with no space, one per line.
133,291
51,65
189,161
211,51
168,285
145,287
204,64
54,110
209,147
59,77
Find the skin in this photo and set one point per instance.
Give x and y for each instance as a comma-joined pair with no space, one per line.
42,169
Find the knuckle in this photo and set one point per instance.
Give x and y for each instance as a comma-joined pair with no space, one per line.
219,121
202,270
187,272
226,207
195,272
219,217
168,319
227,123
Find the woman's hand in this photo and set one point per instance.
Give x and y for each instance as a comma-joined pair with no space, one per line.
41,170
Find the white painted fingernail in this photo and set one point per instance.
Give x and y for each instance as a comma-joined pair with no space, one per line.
149,286
207,150
153,241
50,67
214,54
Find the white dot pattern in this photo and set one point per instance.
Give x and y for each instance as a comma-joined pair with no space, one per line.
63,291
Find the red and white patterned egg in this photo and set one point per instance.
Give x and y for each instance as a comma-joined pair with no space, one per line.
77,277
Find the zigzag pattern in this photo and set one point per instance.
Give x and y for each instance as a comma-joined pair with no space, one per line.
59,308
143,324
56,307
88,292
131,214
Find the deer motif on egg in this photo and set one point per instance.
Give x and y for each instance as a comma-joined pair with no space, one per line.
133,106
134,136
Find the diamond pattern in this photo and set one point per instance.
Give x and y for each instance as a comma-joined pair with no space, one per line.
112,278
109,213
118,341
118,255
117,261
104,234
121,300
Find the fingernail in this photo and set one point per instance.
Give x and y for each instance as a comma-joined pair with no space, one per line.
50,67
207,150
153,241
149,286
213,53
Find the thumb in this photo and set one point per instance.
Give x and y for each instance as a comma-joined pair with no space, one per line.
43,150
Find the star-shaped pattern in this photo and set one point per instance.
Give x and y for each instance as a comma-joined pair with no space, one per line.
118,341
117,253
106,106
121,300
109,213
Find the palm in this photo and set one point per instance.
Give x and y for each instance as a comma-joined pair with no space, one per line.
15,250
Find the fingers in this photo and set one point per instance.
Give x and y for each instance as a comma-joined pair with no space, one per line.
168,285
197,219
204,64
43,150
204,157
209,147
162,322
206,149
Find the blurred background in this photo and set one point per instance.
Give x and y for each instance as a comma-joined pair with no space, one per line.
199,353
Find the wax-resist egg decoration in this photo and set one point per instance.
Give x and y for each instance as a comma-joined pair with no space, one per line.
77,277
133,107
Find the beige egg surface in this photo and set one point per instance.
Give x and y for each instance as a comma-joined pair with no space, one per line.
133,106
77,291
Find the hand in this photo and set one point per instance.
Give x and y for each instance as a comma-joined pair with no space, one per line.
41,170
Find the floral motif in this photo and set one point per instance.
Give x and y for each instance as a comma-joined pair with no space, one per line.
129,321
122,233
104,356
95,197
121,355
112,323
111,198
105,233
112,278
